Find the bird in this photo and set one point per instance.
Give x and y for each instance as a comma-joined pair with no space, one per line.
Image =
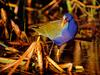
69,30
60,31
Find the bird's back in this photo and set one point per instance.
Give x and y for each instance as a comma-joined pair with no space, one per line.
50,29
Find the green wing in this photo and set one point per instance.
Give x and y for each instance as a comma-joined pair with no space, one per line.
50,29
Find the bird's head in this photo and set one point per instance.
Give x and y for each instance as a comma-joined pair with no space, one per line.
66,18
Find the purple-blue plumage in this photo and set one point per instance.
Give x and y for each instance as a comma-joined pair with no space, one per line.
68,32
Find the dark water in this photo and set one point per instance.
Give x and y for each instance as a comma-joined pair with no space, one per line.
86,54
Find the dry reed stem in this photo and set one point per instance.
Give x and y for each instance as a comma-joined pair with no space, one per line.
91,6
16,28
27,64
8,60
83,10
54,64
24,36
58,55
51,49
81,6
53,6
12,49
51,3
3,15
29,52
27,8
39,55
19,33
9,65
80,3
29,2
18,43
67,65
4,18
38,50
16,8
77,53
74,6
88,6
32,47
53,68
29,15
28,60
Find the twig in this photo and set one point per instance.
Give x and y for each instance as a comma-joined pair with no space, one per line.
8,61
27,8
9,65
80,3
83,10
92,6
88,6
54,64
32,47
55,4
28,60
51,49
39,57
67,65
51,3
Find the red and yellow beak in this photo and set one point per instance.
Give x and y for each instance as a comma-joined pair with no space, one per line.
64,21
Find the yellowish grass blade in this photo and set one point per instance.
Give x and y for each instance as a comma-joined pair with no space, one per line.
54,64
3,15
18,32
32,47
4,18
8,61
67,65
16,28
11,49
39,57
